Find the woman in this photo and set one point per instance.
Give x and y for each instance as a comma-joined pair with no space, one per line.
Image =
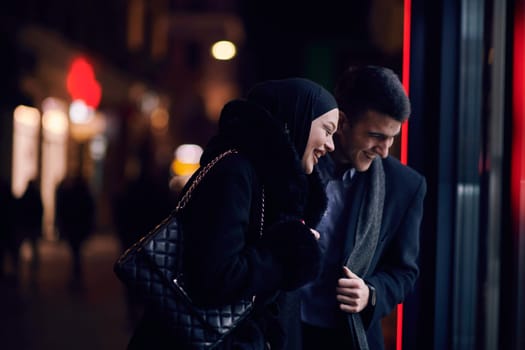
280,131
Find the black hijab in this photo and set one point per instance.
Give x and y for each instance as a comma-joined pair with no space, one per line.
295,102
271,127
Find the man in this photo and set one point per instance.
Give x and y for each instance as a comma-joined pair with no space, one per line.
370,230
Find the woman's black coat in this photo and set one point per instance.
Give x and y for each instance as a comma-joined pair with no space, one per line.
227,257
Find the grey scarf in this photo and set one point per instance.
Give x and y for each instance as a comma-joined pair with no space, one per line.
367,235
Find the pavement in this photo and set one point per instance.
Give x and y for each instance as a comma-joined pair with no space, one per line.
45,308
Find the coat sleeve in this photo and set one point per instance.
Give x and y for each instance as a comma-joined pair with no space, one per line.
222,263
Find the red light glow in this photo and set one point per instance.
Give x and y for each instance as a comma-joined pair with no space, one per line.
82,84
404,135
518,117
406,74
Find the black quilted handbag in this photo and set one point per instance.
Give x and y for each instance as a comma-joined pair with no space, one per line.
152,267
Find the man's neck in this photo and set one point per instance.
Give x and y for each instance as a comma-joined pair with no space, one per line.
340,161
340,164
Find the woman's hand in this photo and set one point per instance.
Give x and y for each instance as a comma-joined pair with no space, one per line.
316,234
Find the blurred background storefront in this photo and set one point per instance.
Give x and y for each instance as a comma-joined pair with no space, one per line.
111,89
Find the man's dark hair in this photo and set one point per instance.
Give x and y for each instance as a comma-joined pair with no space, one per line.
363,88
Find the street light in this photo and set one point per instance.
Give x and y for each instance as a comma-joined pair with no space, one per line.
185,162
85,123
223,50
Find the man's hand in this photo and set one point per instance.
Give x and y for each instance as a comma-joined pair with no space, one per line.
352,292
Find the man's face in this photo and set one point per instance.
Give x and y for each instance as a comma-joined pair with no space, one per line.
360,141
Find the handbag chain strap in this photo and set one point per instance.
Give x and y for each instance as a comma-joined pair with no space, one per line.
184,200
261,228
186,197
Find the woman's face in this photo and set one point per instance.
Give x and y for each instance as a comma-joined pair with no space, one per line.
320,140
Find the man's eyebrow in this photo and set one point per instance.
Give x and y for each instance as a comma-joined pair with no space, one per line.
377,133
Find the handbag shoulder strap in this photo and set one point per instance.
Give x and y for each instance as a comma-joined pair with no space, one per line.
261,226
186,197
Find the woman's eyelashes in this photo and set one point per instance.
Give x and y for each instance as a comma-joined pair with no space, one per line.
330,130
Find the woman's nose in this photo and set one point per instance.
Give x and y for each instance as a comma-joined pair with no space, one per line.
330,144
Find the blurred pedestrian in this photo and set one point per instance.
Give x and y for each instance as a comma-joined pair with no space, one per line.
8,246
29,216
138,207
75,219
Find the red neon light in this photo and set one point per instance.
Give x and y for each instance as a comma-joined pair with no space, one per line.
404,135
518,116
406,45
82,84
406,74
404,142
399,330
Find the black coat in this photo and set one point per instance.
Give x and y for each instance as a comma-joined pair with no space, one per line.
394,266
226,257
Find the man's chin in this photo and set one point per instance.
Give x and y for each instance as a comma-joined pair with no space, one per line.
362,167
